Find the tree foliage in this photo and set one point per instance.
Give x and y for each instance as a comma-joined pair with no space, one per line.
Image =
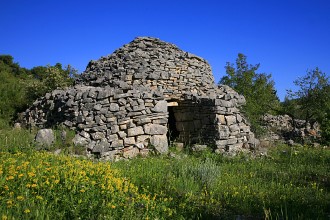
19,86
49,78
312,100
257,88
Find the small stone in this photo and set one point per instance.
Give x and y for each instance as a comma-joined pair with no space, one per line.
79,140
97,135
129,141
17,126
230,119
114,107
130,153
139,145
97,107
199,147
117,144
122,134
221,119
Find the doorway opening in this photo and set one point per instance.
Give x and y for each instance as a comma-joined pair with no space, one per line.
173,132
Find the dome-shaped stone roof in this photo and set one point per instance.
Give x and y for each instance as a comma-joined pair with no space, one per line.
152,63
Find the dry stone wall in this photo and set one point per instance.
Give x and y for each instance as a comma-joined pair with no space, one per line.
283,128
216,122
109,122
142,96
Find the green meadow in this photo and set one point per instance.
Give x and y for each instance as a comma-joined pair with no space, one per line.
288,183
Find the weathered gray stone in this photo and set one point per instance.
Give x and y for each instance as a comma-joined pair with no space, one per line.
129,141
117,144
17,126
135,131
97,135
114,107
161,106
79,140
97,107
101,146
199,147
143,139
45,137
160,143
230,119
154,129
130,152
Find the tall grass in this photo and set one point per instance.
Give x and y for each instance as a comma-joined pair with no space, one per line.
291,183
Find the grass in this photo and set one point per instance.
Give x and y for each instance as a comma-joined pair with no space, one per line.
291,183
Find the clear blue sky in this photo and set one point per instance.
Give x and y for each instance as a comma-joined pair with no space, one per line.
286,37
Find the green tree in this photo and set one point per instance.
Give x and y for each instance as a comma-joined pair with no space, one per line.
257,88
50,78
313,99
19,87
12,92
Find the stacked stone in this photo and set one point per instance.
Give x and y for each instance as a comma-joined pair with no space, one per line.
152,63
234,134
284,128
109,122
119,105
216,122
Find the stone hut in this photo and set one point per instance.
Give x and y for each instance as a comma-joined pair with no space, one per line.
142,97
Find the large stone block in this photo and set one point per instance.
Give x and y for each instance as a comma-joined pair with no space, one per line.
135,131
160,143
45,137
161,106
154,129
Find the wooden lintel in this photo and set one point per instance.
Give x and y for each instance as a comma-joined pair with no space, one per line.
172,104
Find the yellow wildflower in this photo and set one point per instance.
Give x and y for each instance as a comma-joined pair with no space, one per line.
27,211
31,174
9,178
20,198
10,203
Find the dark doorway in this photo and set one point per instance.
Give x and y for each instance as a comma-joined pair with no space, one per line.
173,133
